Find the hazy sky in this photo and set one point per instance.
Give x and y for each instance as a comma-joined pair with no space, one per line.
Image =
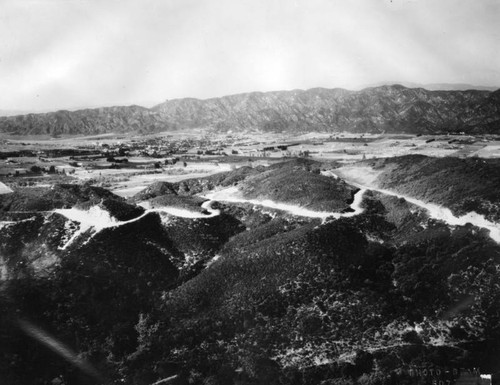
75,53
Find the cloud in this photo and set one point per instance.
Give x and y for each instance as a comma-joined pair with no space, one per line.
60,53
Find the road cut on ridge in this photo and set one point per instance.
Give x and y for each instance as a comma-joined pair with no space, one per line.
435,211
97,219
232,195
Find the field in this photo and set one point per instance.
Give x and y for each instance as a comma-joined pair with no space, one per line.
126,164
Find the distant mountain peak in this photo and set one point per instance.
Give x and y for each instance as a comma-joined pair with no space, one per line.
388,108
434,86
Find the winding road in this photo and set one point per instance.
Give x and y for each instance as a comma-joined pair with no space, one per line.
435,211
97,219
231,195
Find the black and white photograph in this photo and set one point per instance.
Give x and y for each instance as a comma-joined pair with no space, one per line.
249,192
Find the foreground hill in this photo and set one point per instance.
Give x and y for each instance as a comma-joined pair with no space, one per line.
296,182
386,108
250,295
462,185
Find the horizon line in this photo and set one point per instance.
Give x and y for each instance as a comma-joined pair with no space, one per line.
14,112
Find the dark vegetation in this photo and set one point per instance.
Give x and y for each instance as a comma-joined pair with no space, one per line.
330,289
91,301
54,152
463,185
200,239
289,300
298,182
115,206
50,198
197,185
184,202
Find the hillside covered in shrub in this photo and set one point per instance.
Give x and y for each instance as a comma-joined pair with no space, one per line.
252,296
463,185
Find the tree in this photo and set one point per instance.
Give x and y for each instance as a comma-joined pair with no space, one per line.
412,337
363,362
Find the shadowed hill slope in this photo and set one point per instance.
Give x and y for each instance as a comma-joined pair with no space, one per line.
65,196
296,182
251,296
299,182
463,185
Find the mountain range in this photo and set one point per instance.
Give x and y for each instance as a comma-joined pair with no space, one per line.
390,109
434,86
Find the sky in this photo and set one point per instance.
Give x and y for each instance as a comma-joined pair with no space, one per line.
67,54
